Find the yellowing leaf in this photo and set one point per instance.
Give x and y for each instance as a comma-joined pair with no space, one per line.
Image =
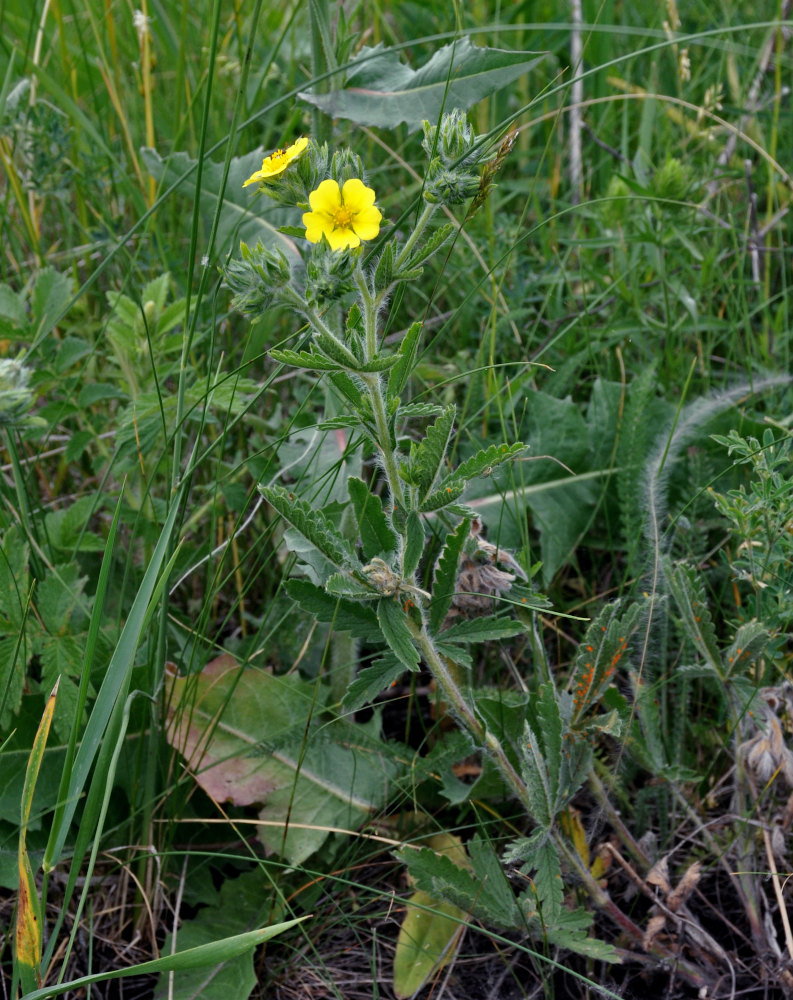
427,940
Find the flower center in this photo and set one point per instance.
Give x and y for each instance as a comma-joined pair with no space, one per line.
342,217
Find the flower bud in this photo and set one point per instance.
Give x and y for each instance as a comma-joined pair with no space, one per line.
15,396
450,187
345,165
455,139
255,280
329,273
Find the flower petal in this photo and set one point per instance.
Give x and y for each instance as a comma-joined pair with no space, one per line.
357,196
367,223
326,198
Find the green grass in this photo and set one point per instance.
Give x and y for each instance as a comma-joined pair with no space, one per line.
614,325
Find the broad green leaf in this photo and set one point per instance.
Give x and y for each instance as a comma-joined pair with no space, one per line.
381,91
397,634
445,583
414,544
240,218
250,737
371,681
343,615
377,536
312,525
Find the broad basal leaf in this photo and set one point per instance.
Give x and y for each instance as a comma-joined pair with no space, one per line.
380,90
248,737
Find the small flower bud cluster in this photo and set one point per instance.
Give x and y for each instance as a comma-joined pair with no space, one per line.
452,175
329,274
256,279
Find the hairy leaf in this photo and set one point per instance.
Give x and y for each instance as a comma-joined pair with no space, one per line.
371,681
414,544
599,655
312,525
484,629
377,535
483,462
343,615
396,632
688,591
406,359
445,583
310,360
430,454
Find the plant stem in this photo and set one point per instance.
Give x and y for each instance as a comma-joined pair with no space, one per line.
418,229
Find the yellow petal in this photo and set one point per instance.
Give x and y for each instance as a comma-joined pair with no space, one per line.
326,198
340,239
357,196
367,223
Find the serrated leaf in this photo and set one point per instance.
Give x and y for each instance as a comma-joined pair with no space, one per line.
335,351
418,410
371,681
384,271
377,536
483,462
347,388
549,724
445,582
394,626
311,361
51,295
430,453
312,525
535,776
749,645
405,360
689,593
342,614
599,654
414,543
431,246
548,882
484,629
381,91
449,492
381,364
343,585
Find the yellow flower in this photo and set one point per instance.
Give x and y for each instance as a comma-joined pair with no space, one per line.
277,162
345,216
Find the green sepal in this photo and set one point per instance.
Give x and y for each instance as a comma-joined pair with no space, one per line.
377,536
313,525
445,583
414,544
394,626
407,358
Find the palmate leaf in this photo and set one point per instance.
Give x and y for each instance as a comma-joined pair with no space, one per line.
312,525
342,614
394,626
445,583
377,535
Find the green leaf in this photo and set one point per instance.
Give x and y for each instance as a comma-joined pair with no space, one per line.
347,388
749,645
237,221
483,462
436,240
397,634
445,583
418,410
381,91
414,543
343,615
548,882
371,681
449,492
343,585
311,774
51,295
309,360
688,591
380,364
484,629
384,271
335,351
312,525
429,455
599,655
406,358
377,536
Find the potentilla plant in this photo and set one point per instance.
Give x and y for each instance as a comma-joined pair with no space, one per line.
373,579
